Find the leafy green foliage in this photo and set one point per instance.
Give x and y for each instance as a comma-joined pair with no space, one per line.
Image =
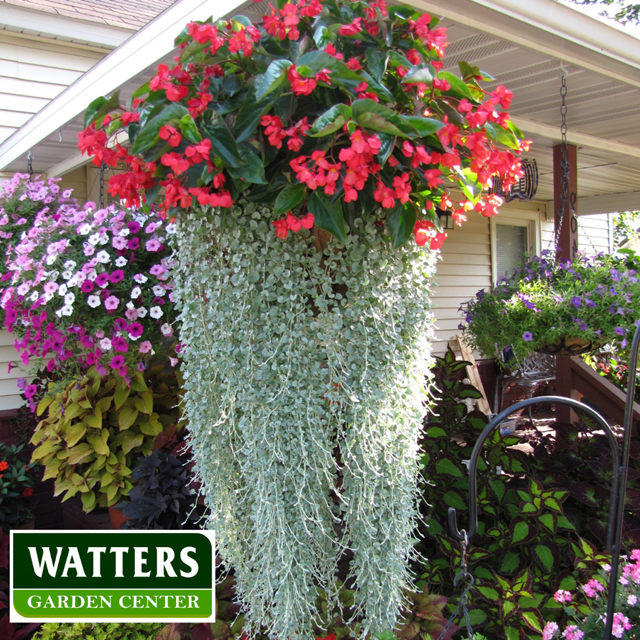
98,631
94,430
17,479
537,533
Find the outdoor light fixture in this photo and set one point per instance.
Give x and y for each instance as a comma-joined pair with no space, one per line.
445,218
525,189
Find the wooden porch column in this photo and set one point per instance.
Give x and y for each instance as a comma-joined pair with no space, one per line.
567,248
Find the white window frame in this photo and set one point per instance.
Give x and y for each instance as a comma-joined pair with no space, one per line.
528,219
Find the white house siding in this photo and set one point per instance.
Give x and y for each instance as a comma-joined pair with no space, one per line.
465,268
35,70
9,394
595,233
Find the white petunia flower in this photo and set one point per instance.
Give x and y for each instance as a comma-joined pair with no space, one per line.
156,312
167,329
104,238
62,290
142,312
48,296
69,298
124,232
94,239
170,228
140,278
23,289
51,259
93,301
158,290
70,265
67,274
84,230
105,344
135,292
121,261
34,296
67,310
78,278
130,305
103,257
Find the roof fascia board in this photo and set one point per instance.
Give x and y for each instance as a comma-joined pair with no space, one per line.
143,49
56,26
594,205
550,28
575,137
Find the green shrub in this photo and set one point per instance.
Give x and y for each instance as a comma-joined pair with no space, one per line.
536,529
98,631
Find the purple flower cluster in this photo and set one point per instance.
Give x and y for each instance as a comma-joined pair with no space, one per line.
89,287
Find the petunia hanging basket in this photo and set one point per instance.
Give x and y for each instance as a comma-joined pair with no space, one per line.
564,308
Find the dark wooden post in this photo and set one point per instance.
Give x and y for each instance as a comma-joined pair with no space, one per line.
567,248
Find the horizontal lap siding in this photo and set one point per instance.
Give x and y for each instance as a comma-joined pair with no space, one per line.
34,72
9,394
593,234
464,269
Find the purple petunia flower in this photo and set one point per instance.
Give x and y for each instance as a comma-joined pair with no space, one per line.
133,244
117,362
135,329
119,344
87,286
620,331
134,227
528,336
576,302
117,276
102,280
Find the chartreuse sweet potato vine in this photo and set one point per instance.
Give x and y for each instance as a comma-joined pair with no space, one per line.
292,354
94,429
328,109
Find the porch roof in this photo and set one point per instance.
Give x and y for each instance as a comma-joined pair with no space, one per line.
527,48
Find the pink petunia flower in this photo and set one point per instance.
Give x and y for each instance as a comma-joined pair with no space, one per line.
145,347
111,303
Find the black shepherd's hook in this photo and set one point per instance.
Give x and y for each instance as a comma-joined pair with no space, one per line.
622,483
473,463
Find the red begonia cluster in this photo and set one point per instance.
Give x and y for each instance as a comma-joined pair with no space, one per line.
189,169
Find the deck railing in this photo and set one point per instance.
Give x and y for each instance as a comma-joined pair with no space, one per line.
574,377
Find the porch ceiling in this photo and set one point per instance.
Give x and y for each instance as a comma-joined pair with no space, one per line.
603,108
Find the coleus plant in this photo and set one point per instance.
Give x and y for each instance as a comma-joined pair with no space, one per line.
327,111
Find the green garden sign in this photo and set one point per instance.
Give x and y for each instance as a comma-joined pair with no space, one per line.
112,576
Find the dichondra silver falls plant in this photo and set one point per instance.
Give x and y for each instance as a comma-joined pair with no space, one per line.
305,387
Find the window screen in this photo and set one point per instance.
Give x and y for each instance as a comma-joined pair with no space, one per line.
511,245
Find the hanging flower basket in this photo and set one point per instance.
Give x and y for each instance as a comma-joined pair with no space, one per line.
304,160
564,308
570,347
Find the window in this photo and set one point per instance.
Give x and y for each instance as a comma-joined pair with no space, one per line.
512,239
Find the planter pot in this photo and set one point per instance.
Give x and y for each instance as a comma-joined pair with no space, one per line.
117,517
570,347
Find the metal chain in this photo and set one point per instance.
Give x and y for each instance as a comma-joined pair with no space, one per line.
566,169
29,163
463,574
103,169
